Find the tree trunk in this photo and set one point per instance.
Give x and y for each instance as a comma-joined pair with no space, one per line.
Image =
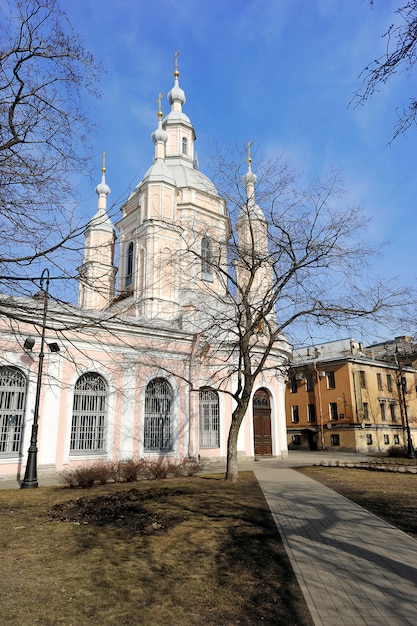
232,471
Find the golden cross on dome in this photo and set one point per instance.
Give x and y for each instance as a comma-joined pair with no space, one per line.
175,59
159,103
250,144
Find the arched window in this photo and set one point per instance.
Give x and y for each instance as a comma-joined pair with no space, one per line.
206,259
89,414
158,431
184,145
12,409
129,264
209,419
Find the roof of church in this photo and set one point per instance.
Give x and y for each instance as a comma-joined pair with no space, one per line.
176,169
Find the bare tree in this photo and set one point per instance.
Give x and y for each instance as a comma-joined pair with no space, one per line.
400,56
297,259
45,72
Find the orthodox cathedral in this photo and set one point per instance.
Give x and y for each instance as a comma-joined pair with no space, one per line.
132,370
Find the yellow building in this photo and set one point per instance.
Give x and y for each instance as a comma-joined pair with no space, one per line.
340,396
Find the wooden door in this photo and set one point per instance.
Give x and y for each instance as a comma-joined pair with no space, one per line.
262,423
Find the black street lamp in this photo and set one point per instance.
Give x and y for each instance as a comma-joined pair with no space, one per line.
30,480
402,383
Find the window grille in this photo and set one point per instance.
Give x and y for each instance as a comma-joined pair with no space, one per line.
12,409
89,414
158,416
209,419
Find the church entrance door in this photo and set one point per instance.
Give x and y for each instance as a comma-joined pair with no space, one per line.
262,423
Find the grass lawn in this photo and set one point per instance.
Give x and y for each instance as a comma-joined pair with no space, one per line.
390,495
177,552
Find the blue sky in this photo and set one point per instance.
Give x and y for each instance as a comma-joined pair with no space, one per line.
278,72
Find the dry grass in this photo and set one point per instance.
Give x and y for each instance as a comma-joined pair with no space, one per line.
210,555
391,495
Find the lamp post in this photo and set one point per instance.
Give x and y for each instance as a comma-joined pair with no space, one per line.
402,388
30,480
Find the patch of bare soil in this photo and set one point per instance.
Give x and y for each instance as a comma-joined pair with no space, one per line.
125,509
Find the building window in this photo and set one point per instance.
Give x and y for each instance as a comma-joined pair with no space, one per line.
295,417
386,440
293,385
184,145
383,412
129,264
393,412
206,259
389,382
158,416
12,409
296,440
335,440
209,419
362,379
311,413
379,381
309,382
333,411
396,439
365,411
330,380
89,414
369,440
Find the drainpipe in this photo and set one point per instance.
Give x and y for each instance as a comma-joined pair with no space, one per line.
323,447
191,427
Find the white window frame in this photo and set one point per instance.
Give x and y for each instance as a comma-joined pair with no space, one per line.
209,418
158,435
13,392
89,415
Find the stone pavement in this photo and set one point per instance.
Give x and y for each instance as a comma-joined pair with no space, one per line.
353,568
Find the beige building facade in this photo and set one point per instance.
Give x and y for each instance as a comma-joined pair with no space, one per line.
340,396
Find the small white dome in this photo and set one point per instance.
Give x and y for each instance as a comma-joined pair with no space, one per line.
176,94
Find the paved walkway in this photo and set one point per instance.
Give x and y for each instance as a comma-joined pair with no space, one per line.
353,568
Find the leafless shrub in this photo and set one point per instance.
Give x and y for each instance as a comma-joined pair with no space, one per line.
102,471
399,452
83,476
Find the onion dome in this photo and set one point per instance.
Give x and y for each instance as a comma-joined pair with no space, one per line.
102,188
159,135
